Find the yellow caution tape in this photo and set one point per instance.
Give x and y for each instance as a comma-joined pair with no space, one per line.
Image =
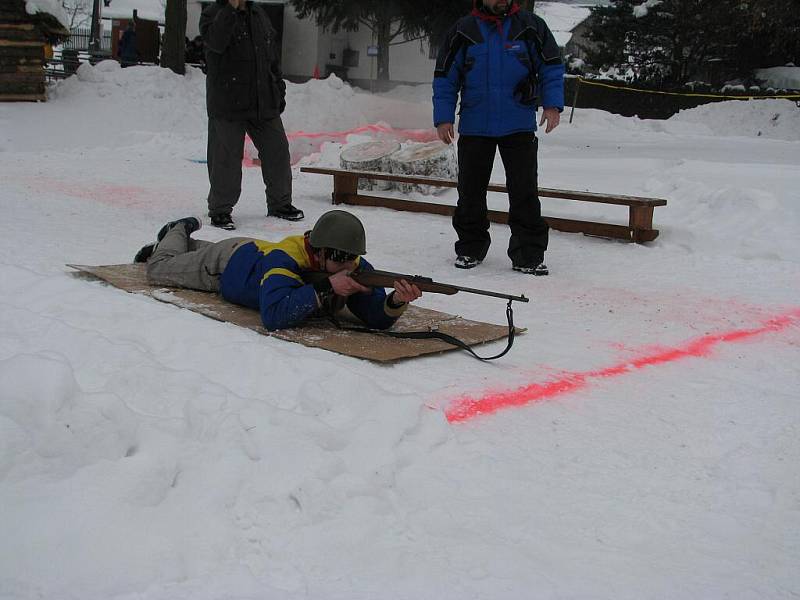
630,89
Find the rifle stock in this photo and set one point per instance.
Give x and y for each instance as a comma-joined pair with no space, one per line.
386,279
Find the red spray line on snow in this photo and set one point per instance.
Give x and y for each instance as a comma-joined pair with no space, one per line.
417,135
466,408
303,143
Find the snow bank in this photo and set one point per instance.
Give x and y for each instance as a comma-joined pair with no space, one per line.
149,453
782,78
773,119
303,102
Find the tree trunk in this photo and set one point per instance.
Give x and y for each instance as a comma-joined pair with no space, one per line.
94,37
369,156
173,52
431,159
383,30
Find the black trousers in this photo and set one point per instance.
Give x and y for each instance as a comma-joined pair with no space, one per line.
529,231
225,153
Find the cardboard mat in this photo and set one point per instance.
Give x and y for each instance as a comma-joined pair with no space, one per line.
316,333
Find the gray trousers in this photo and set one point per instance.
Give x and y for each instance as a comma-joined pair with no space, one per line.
225,152
180,261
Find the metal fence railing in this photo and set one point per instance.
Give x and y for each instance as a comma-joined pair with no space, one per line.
79,39
68,56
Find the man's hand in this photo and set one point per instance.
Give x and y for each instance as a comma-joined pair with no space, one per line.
553,118
445,132
406,292
344,285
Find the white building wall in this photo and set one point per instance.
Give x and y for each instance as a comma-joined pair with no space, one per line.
193,10
408,62
301,47
306,46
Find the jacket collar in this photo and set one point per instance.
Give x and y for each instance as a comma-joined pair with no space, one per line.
489,17
520,22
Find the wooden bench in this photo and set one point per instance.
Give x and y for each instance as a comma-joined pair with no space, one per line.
640,215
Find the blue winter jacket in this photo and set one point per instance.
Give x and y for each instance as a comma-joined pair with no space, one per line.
269,277
486,69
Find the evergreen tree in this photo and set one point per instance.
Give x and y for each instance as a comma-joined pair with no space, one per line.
677,40
767,35
609,34
673,41
390,21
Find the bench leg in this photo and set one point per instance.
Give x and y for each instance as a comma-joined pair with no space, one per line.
641,222
344,187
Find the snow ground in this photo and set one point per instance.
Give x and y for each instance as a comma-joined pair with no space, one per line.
647,440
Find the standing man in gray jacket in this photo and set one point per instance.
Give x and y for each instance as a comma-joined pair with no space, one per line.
245,93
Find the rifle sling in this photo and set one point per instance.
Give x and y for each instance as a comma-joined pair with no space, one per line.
423,335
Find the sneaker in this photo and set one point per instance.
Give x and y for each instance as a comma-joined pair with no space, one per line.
288,212
143,255
540,269
466,262
191,224
223,222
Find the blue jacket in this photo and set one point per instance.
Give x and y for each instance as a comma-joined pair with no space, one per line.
487,69
270,277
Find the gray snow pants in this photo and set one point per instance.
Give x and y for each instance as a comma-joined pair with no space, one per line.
180,261
225,152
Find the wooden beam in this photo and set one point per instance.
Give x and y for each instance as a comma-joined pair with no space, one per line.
16,88
14,54
23,97
606,230
640,218
12,78
20,44
35,68
493,187
23,26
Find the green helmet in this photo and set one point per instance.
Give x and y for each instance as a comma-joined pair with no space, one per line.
339,230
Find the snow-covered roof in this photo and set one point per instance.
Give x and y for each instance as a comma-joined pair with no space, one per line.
48,7
152,10
562,18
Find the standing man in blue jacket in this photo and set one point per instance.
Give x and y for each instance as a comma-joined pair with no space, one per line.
504,62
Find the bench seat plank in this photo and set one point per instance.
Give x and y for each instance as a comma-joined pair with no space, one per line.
639,228
493,187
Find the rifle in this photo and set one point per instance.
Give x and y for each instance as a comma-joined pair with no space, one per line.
386,279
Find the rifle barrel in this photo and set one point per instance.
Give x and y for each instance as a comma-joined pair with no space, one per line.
520,298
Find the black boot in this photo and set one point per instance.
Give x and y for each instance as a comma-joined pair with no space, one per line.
144,254
288,212
223,222
191,224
